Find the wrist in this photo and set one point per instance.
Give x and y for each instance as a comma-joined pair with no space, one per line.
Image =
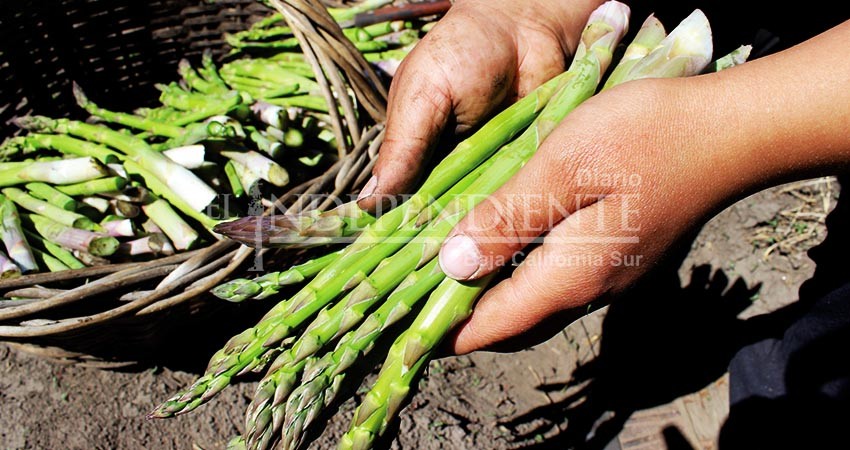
779,118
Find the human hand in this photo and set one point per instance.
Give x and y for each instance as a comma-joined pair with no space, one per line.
479,56
635,168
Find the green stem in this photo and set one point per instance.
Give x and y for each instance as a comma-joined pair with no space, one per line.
49,262
448,305
181,181
52,195
93,187
128,120
64,171
13,237
322,377
97,244
233,178
71,146
56,251
181,234
68,218
159,188
265,286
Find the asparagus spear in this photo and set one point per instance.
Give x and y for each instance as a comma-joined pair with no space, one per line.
189,156
180,233
209,70
71,146
93,187
152,244
233,178
737,57
121,208
311,102
13,237
65,171
297,230
129,120
452,301
269,146
271,115
154,184
52,195
67,258
97,244
244,349
269,72
651,34
264,167
30,203
383,28
195,81
190,107
348,13
248,179
49,262
447,306
241,289
213,127
322,377
119,227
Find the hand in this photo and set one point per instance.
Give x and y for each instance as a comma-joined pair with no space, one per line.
634,169
482,54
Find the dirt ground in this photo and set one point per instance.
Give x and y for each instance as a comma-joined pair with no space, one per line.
642,373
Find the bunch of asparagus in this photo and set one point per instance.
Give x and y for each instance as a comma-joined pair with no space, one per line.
220,145
383,44
353,296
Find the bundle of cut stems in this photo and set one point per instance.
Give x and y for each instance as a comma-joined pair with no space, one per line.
357,293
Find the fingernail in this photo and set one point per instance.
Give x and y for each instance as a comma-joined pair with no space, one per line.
369,189
460,257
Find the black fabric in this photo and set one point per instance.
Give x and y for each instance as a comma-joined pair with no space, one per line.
794,389
755,22
809,359
790,387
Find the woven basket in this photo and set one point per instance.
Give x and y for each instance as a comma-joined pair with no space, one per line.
118,315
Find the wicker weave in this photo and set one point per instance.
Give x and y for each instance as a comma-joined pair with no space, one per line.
112,316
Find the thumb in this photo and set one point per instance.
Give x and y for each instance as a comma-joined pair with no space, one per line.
531,203
578,263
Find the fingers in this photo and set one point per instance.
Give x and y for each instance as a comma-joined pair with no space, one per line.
459,73
580,261
415,120
529,204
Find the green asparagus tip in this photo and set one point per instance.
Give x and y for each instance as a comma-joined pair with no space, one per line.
13,146
35,123
79,95
237,290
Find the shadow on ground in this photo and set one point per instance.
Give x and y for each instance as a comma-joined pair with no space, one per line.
663,341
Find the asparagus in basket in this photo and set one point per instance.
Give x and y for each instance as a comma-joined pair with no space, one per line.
210,137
